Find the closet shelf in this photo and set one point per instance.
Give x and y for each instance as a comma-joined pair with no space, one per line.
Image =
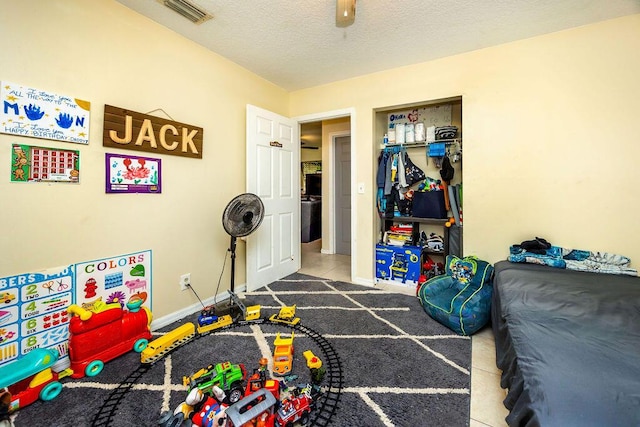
412,219
423,143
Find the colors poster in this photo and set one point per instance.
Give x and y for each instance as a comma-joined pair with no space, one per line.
121,279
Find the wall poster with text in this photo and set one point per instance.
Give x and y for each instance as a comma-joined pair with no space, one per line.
33,312
30,163
37,113
122,279
132,174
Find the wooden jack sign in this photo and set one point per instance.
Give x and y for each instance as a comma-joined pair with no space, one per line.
141,132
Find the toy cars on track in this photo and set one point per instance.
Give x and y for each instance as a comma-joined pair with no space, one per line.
229,377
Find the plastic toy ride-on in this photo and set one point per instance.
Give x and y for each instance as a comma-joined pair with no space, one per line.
96,337
30,378
229,377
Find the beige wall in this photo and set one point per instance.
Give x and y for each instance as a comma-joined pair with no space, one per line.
310,155
108,54
551,140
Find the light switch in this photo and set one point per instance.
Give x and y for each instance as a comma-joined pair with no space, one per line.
361,187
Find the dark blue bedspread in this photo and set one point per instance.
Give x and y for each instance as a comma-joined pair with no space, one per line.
568,343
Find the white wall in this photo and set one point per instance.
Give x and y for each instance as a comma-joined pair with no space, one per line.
108,54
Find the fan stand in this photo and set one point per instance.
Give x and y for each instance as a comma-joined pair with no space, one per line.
228,304
232,249
240,218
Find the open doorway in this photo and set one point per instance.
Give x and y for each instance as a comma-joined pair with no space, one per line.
325,153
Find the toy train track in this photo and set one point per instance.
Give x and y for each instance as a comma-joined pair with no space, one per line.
326,404
110,406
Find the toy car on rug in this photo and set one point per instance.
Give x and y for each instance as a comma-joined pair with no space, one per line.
229,377
283,355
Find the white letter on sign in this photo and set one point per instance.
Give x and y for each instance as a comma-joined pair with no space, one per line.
128,124
146,134
188,140
163,137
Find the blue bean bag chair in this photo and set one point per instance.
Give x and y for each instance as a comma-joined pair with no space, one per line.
461,298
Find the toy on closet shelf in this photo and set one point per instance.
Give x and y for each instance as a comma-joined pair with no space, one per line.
28,379
98,337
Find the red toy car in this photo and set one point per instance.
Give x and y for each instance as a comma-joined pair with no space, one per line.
294,409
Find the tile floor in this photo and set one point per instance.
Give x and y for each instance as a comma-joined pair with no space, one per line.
486,394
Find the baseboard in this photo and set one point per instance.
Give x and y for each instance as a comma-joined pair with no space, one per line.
326,252
163,321
363,281
396,283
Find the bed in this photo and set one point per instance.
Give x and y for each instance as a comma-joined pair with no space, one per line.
568,343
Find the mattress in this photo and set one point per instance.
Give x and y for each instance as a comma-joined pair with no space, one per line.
568,343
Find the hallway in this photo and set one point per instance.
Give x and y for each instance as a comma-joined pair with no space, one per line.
315,263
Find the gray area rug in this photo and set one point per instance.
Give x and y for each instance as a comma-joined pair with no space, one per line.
399,367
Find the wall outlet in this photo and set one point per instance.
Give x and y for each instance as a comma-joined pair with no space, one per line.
185,281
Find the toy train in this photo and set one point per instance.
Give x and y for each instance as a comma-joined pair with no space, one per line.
96,337
107,331
157,348
209,320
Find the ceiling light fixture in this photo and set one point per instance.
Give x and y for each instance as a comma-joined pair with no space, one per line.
189,10
345,12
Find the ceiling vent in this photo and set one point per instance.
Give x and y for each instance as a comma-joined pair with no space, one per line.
192,12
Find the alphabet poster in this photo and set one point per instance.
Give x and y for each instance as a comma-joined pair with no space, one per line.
37,113
33,312
43,164
132,174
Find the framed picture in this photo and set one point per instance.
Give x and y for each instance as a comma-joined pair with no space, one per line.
30,163
132,174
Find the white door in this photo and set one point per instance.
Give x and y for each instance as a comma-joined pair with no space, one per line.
273,173
343,194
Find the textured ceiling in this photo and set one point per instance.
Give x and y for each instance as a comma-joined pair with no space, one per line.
295,44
